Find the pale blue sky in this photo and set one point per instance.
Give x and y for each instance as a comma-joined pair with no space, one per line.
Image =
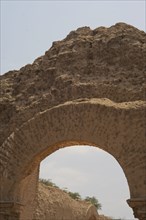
28,29
91,172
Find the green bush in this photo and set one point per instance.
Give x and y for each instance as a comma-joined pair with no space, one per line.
93,201
48,182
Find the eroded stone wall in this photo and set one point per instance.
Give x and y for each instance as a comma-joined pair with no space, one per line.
54,204
87,89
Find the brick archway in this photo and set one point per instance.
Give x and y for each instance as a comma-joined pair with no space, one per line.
87,89
96,122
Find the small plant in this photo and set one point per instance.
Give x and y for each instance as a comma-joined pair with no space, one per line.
48,182
94,201
73,195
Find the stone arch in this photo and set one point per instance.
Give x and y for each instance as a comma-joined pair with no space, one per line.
38,114
117,128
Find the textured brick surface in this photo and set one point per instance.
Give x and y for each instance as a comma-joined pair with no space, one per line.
87,89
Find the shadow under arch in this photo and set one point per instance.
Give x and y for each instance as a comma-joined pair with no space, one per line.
116,128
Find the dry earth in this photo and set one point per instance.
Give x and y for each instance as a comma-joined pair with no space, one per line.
54,204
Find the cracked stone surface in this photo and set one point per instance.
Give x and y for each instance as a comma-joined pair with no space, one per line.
89,88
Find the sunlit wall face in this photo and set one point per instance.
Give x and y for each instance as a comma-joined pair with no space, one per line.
91,172
28,28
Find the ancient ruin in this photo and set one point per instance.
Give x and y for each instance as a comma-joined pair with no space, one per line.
87,89
54,204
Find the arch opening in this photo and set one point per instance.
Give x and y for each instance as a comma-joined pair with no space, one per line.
91,172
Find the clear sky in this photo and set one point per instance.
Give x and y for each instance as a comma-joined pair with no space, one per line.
28,29
91,172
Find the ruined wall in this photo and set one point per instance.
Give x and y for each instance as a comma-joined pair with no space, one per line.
100,63
87,89
54,204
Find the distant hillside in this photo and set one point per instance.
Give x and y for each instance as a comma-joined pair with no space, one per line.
54,204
